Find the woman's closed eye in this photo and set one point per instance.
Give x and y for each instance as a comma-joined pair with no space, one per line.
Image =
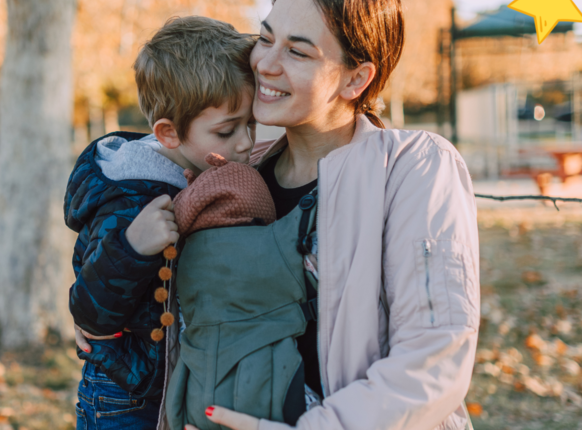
263,39
297,53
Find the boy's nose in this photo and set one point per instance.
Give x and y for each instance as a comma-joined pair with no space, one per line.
246,144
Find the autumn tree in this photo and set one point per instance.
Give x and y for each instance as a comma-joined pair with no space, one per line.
35,112
415,80
106,40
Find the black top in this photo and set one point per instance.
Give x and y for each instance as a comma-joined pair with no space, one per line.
286,199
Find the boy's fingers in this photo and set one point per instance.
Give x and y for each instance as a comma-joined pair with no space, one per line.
231,419
190,427
93,337
172,226
80,340
168,216
173,237
161,202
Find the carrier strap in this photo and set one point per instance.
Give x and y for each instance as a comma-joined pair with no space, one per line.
309,309
307,224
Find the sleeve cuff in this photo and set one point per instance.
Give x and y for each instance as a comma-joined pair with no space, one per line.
132,253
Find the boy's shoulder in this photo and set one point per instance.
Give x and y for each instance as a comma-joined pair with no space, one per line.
91,189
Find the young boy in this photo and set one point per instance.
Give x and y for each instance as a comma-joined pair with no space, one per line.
195,87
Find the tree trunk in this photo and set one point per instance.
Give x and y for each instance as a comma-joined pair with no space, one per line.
35,148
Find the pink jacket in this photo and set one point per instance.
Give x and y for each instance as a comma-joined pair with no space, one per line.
399,282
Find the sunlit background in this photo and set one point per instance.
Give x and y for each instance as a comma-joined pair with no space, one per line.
472,71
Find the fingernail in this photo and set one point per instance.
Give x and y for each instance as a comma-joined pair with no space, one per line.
209,410
86,350
118,334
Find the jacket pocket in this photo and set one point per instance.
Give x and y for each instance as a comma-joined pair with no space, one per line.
447,284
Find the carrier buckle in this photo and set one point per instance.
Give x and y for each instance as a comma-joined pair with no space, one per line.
307,202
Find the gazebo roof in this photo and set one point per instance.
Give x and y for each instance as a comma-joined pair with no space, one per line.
505,22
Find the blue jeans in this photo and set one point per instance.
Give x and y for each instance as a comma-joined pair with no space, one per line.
104,405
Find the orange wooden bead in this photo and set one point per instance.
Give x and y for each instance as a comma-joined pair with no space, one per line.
165,273
161,295
167,319
157,334
170,253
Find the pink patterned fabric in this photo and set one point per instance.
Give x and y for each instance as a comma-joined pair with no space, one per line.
226,194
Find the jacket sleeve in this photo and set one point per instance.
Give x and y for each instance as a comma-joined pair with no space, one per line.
431,267
113,277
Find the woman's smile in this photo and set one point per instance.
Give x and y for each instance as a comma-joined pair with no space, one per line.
269,94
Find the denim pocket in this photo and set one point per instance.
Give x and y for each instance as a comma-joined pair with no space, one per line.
81,417
110,406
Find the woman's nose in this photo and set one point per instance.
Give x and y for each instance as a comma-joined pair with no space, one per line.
269,64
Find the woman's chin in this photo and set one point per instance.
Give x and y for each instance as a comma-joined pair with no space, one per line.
266,115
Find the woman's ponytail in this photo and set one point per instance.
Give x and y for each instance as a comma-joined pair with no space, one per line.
368,30
373,110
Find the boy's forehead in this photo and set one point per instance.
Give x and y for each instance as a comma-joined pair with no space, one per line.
223,114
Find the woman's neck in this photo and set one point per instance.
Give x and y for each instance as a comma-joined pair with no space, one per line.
308,143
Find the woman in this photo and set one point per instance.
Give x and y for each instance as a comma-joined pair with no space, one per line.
398,245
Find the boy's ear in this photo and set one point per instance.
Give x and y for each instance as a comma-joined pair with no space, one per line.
165,132
360,79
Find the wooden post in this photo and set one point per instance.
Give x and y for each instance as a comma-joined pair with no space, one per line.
453,92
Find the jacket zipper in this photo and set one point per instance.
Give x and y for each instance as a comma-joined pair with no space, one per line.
427,254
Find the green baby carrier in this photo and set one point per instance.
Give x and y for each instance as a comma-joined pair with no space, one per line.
243,296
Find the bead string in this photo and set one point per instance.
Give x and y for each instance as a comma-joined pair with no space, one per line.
161,294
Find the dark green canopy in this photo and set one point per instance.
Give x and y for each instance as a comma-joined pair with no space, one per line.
505,22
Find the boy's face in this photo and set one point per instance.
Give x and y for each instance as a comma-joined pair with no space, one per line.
230,134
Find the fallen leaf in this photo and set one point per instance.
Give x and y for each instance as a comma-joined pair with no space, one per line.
543,360
570,366
475,409
534,341
531,277
519,386
561,347
564,326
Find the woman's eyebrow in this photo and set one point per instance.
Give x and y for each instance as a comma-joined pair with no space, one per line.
301,39
267,26
290,38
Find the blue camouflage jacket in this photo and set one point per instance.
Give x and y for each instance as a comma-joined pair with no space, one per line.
114,287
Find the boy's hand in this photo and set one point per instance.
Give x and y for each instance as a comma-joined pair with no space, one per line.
81,337
154,228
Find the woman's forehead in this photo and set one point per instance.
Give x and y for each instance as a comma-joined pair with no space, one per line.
297,18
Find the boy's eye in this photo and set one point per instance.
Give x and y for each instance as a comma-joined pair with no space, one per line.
226,135
263,39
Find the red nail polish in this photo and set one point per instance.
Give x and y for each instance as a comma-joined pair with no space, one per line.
209,410
118,334
86,349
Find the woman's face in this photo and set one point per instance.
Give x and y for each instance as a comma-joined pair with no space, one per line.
298,66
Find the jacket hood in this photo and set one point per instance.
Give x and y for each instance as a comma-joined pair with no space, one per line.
116,165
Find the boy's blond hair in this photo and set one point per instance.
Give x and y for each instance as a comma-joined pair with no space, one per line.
190,64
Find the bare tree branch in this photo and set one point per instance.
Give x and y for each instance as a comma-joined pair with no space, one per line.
547,198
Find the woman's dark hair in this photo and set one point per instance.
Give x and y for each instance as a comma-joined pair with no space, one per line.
367,30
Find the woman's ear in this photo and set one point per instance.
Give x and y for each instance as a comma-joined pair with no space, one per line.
360,79
165,132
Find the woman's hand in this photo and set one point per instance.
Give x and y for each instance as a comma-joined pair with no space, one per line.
81,337
228,418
